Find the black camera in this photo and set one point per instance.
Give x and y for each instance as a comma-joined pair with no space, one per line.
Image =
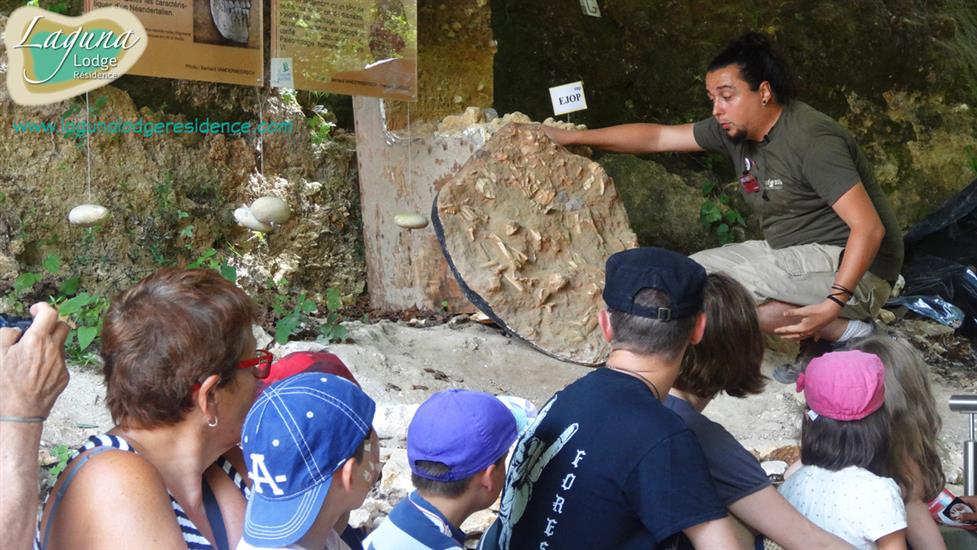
12,321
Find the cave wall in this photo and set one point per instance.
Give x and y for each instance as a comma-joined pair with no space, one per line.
171,197
900,74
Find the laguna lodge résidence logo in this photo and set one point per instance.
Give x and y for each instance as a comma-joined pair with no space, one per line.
54,57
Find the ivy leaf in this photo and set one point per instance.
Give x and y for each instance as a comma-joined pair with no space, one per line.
72,306
51,263
732,216
333,300
307,306
285,327
206,255
25,282
70,286
229,272
710,213
86,335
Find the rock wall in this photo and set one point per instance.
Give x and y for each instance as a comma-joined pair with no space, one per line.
901,74
171,197
664,206
455,51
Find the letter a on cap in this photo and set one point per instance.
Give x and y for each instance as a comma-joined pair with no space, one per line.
260,474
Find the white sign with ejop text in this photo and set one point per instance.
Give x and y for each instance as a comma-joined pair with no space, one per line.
568,98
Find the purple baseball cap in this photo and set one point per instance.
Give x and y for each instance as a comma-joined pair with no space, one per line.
296,435
844,385
465,430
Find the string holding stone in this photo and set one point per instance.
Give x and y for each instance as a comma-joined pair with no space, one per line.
87,214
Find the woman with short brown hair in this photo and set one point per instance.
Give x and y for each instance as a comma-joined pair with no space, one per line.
180,370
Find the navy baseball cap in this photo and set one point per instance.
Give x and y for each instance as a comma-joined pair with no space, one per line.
296,435
465,430
629,272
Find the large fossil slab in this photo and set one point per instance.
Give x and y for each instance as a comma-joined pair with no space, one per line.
526,227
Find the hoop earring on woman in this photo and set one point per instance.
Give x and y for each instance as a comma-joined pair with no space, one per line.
213,422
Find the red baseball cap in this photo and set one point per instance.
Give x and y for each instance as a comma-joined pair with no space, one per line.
306,361
844,385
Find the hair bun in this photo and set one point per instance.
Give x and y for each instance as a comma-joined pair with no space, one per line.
755,40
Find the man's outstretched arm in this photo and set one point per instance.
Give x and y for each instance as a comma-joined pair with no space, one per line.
635,139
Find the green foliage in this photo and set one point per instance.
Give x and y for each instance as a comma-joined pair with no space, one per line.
85,311
51,263
25,282
331,330
82,310
294,317
288,95
294,314
58,6
62,453
319,128
218,262
718,215
970,152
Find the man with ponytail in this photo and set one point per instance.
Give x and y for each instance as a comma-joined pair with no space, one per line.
832,246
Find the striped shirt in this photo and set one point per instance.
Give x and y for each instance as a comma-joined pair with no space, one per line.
191,535
415,524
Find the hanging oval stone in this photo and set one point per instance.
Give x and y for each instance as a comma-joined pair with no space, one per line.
411,221
87,214
270,210
245,218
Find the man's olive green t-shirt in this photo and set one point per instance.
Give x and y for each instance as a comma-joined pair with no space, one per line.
805,164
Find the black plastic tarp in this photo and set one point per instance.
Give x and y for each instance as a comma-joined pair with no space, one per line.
941,256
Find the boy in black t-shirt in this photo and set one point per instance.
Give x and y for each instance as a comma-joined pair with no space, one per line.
605,464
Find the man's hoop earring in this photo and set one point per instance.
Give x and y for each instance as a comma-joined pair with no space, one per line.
213,422
764,102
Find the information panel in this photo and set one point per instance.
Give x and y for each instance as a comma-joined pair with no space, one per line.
212,40
353,47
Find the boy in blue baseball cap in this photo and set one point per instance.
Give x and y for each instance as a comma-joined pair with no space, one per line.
312,457
457,443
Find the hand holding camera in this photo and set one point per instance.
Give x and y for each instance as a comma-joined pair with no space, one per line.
32,366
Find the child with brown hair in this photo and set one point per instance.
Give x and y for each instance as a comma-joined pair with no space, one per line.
843,486
912,459
728,359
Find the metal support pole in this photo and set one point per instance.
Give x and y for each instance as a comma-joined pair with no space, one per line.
969,475
967,404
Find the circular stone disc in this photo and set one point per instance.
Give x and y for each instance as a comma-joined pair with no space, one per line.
526,228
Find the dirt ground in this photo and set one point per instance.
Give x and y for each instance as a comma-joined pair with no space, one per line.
399,365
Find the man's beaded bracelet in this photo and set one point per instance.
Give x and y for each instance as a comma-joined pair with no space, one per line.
836,300
841,288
